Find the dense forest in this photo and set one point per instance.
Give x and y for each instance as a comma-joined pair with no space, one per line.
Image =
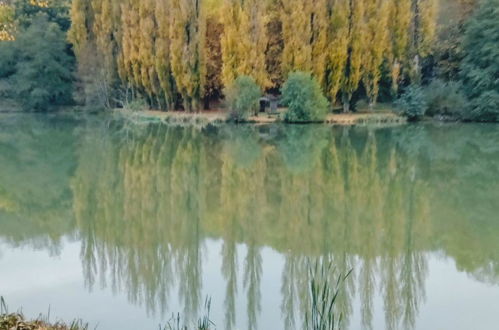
431,57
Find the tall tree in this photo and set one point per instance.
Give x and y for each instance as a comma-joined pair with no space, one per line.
319,21
163,55
377,15
422,34
296,30
337,52
244,41
399,27
275,45
187,37
353,69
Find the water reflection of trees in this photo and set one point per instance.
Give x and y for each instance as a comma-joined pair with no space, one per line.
143,209
36,162
377,201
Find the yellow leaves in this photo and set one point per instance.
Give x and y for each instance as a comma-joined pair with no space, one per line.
244,41
428,12
296,28
159,46
337,50
39,3
7,26
187,35
377,15
356,50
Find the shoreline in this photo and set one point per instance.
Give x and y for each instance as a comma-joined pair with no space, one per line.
220,117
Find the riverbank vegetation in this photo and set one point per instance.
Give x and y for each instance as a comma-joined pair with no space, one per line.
17,321
186,54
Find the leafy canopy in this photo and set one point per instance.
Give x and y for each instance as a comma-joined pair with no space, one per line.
38,66
480,67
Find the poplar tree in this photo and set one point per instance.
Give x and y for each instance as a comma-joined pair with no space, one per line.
244,41
319,22
162,58
356,46
377,15
399,27
296,30
130,68
423,27
81,17
147,36
275,44
106,32
337,51
213,59
187,42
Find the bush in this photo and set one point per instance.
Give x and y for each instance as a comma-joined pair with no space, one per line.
445,99
412,103
303,96
480,66
242,98
43,71
485,108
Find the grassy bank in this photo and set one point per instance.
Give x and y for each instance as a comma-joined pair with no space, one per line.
220,117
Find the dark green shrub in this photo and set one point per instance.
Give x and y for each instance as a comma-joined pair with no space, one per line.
242,98
445,99
302,95
43,73
480,66
8,57
484,108
412,103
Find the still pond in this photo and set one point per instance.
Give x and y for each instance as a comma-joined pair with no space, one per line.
125,225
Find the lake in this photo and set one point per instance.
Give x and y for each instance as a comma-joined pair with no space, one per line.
124,225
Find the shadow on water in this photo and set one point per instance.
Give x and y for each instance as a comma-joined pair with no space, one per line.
144,204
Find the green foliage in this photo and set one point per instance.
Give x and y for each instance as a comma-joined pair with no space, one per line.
323,296
242,98
7,59
56,11
445,99
303,96
480,67
485,107
42,74
412,103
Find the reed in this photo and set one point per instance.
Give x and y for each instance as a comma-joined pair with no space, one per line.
204,323
323,294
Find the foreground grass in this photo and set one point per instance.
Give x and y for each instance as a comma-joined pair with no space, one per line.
17,321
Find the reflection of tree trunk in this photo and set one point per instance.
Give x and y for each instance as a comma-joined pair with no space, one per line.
413,267
229,270
252,279
288,292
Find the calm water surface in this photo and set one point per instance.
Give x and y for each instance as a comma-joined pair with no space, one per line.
123,226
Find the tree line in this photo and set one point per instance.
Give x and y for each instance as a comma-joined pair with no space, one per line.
435,57
182,53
